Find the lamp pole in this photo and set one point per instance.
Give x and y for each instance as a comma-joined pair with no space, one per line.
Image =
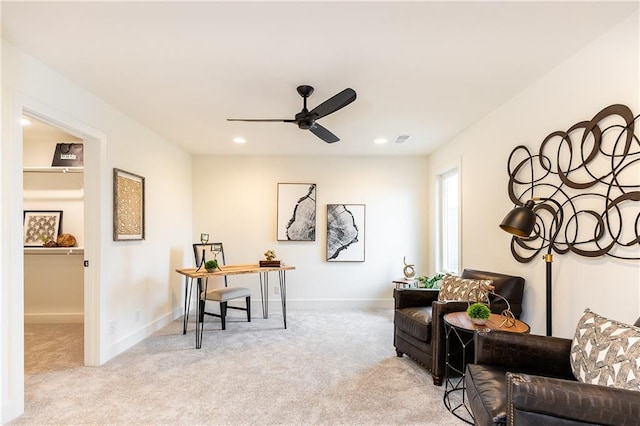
548,258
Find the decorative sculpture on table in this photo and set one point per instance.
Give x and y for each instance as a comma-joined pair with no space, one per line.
409,269
481,293
587,193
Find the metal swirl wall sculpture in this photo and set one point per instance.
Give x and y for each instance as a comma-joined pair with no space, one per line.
589,180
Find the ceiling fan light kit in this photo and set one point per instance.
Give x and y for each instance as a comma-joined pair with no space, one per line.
306,120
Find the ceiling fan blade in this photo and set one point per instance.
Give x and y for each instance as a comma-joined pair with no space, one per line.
334,103
279,120
323,133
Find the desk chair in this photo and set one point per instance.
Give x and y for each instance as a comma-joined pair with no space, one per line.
202,253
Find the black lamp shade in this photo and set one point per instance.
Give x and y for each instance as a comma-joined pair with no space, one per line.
520,221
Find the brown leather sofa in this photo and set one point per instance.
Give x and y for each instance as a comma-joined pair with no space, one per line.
526,380
418,323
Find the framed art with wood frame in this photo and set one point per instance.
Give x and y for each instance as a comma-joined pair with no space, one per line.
41,226
128,206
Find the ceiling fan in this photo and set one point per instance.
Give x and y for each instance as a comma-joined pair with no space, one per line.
306,119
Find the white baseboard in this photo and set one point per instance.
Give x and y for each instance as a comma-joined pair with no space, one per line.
321,305
141,333
53,318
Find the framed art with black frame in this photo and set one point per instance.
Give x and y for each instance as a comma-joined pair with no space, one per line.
128,206
41,226
345,232
296,214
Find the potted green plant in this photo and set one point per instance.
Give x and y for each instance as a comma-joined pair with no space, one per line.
479,313
211,265
426,282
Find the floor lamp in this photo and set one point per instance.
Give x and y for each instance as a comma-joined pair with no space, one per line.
520,222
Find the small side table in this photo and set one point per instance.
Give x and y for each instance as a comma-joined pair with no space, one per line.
459,325
405,282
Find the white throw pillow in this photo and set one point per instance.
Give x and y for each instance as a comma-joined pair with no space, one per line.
456,288
606,352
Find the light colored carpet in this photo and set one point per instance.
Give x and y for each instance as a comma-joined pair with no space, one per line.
327,368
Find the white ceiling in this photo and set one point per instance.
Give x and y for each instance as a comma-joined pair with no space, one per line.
424,69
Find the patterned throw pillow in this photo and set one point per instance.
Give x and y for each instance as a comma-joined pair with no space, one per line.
456,288
606,352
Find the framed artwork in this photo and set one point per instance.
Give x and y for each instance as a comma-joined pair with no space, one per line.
345,232
296,212
128,206
41,226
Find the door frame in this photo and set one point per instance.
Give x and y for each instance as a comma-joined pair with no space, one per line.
96,233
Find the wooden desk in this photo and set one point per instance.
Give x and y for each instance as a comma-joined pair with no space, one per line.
193,273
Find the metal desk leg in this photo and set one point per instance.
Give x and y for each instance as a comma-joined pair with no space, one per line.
200,321
188,285
264,293
283,295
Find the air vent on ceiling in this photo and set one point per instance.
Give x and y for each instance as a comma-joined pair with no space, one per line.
401,139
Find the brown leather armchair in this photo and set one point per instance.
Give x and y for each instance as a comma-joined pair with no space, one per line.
526,379
418,323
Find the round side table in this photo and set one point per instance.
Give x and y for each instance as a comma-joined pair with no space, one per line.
457,325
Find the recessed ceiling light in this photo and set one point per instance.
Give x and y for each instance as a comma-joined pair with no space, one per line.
239,140
24,121
380,141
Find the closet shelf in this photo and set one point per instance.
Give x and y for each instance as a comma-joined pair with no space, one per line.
54,250
39,169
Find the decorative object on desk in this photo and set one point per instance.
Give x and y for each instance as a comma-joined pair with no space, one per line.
580,208
216,249
426,282
40,226
66,240
345,232
270,255
68,155
211,265
128,206
479,313
296,216
204,238
409,270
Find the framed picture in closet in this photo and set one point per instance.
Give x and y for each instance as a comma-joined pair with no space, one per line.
128,206
41,226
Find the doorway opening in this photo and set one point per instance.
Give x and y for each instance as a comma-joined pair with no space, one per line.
53,237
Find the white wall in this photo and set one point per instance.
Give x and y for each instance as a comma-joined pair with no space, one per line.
235,202
603,73
138,290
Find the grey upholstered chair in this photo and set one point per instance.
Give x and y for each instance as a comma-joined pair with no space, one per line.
221,295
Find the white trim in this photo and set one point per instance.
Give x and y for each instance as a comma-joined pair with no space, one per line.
438,218
13,265
95,158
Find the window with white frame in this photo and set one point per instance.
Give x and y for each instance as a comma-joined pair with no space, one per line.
449,222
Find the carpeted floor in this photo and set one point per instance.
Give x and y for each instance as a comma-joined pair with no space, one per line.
327,368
